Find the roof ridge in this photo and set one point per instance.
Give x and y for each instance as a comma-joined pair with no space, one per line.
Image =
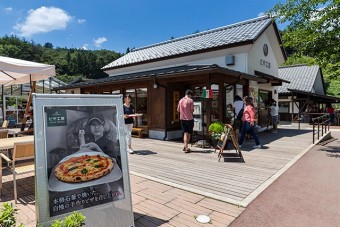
204,32
297,65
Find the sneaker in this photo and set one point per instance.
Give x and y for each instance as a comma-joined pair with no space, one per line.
257,146
130,151
274,131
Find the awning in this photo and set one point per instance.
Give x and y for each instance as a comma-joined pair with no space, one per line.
164,73
319,98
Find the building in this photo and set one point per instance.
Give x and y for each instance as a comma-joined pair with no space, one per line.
304,95
238,59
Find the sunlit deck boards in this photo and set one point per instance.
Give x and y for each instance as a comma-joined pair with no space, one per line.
200,171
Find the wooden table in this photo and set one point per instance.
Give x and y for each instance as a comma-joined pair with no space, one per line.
8,143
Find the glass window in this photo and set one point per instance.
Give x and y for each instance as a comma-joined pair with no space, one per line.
283,107
139,101
141,106
215,116
239,90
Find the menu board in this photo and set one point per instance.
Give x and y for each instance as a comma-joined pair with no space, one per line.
80,160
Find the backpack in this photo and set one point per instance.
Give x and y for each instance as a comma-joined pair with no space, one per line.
240,114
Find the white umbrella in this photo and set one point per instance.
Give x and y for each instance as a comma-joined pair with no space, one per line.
16,71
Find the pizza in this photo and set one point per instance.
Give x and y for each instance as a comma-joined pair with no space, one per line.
83,168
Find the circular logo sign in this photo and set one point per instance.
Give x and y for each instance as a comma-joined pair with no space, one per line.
265,49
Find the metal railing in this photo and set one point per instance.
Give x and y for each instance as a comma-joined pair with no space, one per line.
320,122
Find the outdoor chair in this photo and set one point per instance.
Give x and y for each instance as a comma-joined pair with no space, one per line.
3,134
4,124
22,162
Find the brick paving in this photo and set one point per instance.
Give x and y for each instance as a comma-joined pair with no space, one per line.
154,204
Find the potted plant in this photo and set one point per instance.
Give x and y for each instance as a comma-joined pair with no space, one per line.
215,131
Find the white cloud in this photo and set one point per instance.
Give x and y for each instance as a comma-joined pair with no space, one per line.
42,20
8,9
85,47
81,21
261,14
98,42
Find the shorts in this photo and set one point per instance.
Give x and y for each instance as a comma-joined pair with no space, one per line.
274,120
187,125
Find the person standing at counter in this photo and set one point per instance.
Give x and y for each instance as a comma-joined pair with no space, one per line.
186,108
128,109
248,122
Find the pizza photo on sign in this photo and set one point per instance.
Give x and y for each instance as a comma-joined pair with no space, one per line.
83,168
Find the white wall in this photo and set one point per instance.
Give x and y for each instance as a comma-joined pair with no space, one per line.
318,85
258,61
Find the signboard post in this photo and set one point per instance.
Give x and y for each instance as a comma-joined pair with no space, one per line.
81,159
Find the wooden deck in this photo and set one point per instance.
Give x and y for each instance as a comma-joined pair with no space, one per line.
229,180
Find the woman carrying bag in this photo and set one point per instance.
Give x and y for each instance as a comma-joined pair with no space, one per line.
248,122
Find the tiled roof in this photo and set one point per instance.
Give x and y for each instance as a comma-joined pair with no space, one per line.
246,31
160,73
301,77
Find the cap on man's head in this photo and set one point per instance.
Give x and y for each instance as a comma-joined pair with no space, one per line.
188,92
99,117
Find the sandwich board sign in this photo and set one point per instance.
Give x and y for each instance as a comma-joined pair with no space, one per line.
81,160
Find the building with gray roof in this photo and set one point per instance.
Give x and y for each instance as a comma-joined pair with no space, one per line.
237,59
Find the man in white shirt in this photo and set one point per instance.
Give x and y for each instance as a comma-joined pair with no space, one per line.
274,113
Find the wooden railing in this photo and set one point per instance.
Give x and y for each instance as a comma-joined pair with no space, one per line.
320,124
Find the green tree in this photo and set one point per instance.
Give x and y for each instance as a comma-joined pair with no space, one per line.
313,27
312,32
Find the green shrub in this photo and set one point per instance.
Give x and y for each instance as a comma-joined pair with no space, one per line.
216,127
7,215
75,219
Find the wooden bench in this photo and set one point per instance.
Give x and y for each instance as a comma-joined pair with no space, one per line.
138,132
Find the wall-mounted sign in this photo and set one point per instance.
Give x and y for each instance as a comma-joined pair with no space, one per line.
265,49
265,63
56,117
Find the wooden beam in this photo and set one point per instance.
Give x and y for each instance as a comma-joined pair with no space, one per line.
28,105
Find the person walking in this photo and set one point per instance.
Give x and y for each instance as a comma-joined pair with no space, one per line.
238,109
248,122
128,110
331,113
186,108
274,114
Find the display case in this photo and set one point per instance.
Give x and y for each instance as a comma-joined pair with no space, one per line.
15,107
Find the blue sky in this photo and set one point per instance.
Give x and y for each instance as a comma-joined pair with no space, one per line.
117,25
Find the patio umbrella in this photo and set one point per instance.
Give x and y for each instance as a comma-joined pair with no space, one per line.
16,71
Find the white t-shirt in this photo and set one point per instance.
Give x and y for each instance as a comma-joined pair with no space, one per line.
238,105
273,111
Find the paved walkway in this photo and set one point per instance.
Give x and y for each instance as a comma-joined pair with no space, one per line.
307,194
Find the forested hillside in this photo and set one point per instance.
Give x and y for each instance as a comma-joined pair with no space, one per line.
70,63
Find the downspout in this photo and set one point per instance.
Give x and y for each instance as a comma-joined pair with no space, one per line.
3,102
